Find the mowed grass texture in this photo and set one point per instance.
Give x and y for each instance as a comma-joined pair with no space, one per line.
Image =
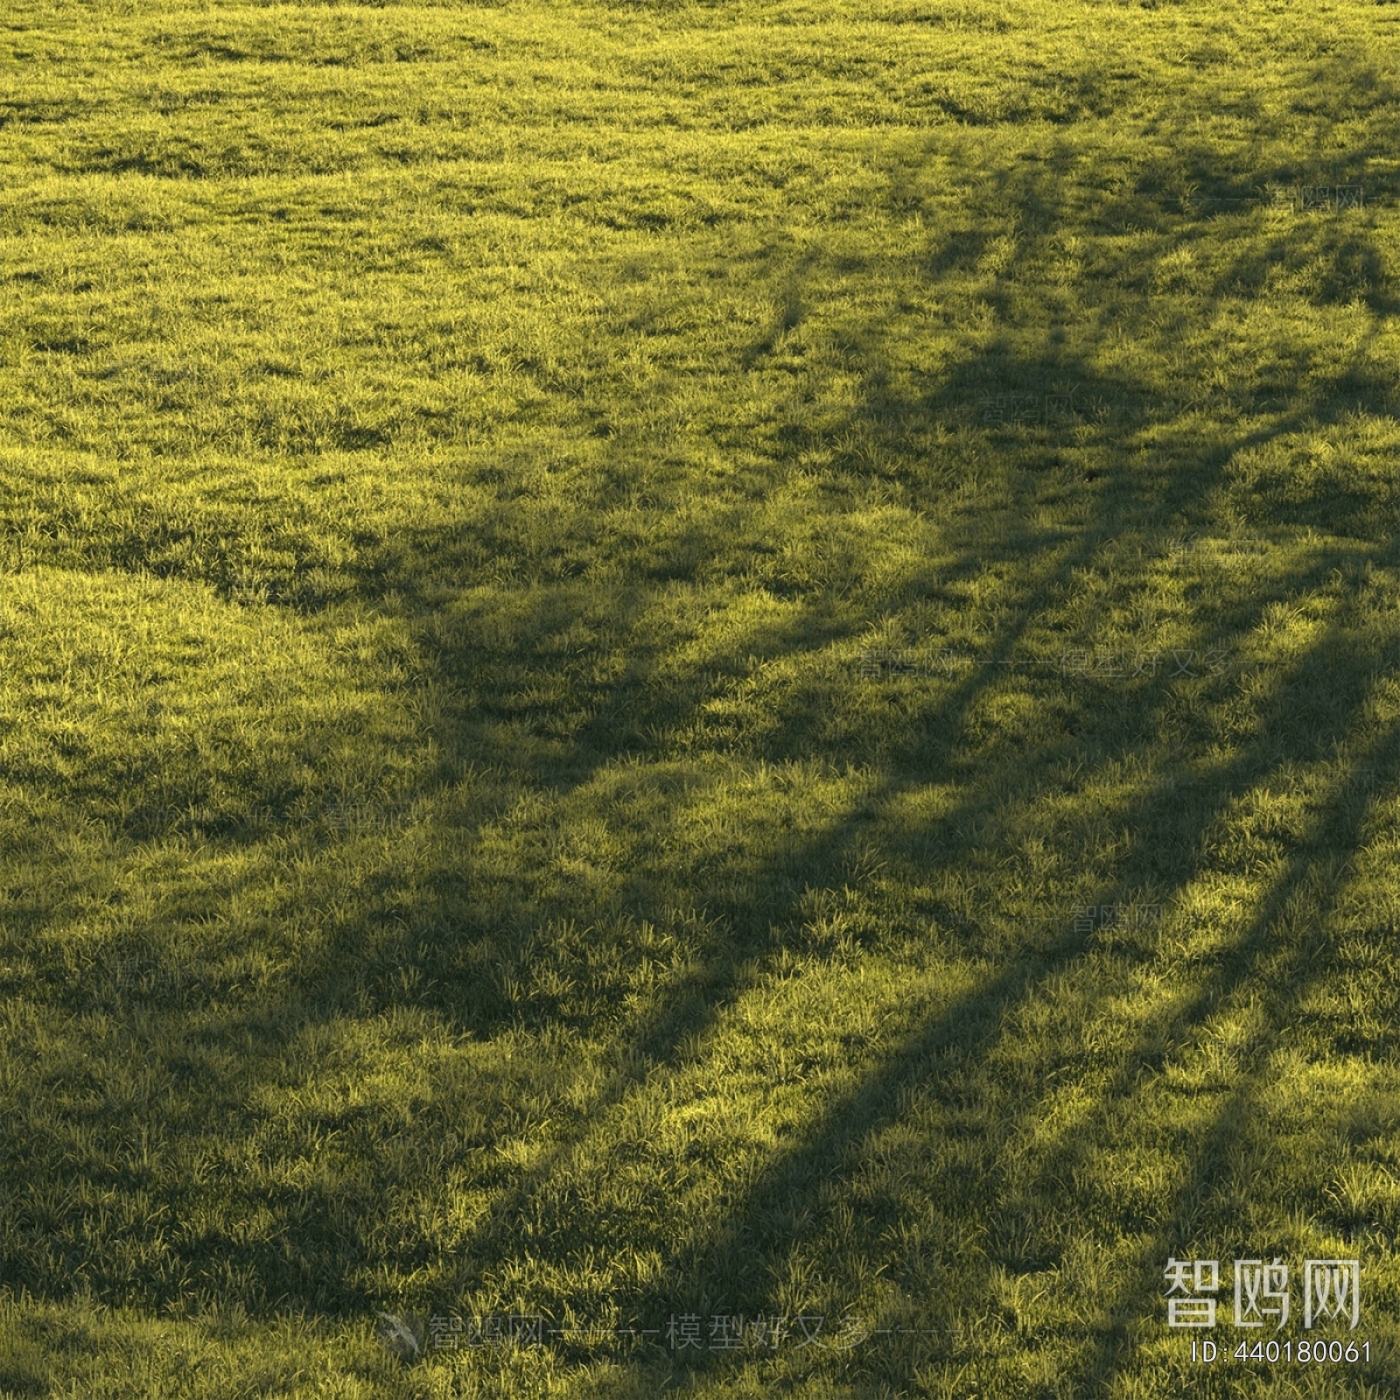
590,595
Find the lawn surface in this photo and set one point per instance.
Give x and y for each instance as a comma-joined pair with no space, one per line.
718,685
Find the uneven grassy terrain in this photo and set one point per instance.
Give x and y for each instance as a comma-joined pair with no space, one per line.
663,664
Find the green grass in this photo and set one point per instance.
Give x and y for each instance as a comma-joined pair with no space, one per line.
589,594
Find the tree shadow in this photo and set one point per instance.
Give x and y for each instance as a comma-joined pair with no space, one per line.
583,690
735,1264
741,1264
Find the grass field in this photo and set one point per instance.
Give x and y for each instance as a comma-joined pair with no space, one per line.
705,698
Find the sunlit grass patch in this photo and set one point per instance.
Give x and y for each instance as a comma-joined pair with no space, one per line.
692,675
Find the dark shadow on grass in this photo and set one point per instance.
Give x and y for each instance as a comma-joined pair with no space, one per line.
559,705
735,1268
732,1269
